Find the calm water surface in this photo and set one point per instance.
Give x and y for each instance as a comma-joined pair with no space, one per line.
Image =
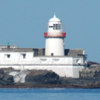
49,94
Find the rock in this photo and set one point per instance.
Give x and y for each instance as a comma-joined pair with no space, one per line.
1,74
19,77
5,78
92,71
92,63
1,71
42,77
8,78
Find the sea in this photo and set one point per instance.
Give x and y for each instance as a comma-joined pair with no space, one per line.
49,94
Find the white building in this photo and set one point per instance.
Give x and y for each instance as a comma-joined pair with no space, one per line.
64,62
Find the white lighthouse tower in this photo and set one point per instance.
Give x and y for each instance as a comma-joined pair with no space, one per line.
54,38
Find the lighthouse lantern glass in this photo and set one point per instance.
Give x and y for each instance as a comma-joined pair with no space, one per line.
56,26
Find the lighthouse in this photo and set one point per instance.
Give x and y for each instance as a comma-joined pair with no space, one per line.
54,44
64,62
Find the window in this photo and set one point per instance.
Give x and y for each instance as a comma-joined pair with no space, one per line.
50,26
24,56
78,61
52,54
36,52
56,26
8,55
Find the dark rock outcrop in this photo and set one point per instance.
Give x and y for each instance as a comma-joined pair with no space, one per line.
5,78
92,63
42,77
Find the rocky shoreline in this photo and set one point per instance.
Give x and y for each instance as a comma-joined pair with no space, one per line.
10,78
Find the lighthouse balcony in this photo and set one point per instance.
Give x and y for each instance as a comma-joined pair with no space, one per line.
62,35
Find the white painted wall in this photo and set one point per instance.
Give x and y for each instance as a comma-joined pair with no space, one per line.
15,57
55,46
63,66
61,70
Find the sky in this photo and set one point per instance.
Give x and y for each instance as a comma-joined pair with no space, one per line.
23,23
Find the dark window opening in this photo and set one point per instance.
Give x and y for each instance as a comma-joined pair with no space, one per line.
8,55
24,56
56,26
50,26
36,52
52,54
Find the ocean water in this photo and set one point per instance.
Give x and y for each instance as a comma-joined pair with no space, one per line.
49,94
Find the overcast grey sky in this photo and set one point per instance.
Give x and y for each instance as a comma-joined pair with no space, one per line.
23,22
